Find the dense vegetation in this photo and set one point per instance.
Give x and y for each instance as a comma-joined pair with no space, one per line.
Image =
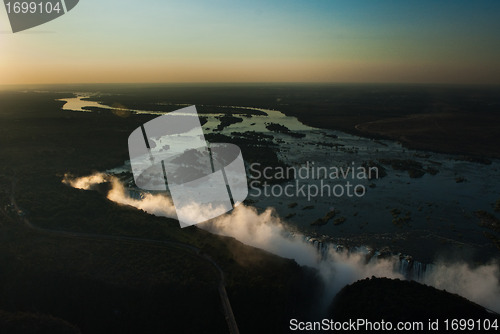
71,284
103,286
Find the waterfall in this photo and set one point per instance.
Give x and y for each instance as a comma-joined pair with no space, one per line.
404,264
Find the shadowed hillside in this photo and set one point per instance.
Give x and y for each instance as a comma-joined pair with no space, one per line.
395,300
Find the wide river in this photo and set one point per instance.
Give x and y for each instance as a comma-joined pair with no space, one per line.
420,216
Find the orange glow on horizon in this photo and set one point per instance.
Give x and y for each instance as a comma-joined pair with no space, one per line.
243,71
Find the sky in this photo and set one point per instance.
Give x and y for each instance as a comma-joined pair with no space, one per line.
356,41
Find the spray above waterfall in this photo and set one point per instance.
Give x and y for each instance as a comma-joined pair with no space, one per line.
337,266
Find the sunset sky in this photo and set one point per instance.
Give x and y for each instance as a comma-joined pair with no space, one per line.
258,41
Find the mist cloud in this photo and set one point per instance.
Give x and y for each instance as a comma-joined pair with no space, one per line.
479,284
267,231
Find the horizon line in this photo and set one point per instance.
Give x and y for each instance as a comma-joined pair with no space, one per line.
256,83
